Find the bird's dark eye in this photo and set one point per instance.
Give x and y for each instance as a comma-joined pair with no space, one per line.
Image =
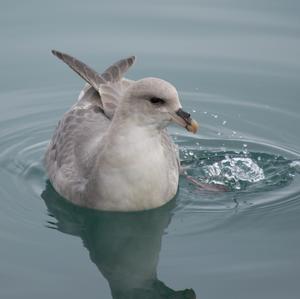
157,101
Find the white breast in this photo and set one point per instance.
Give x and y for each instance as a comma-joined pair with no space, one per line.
140,176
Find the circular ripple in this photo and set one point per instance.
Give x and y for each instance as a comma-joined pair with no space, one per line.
256,174
24,135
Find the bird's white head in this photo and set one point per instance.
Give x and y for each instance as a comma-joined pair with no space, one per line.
155,103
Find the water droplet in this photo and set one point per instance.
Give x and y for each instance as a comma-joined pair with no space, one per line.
295,165
224,122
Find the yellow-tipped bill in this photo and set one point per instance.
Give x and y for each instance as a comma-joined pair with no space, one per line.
193,127
184,119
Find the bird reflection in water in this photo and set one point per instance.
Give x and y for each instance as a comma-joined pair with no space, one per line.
124,246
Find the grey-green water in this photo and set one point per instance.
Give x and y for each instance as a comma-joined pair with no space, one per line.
236,65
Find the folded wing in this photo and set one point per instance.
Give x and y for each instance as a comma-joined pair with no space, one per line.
110,85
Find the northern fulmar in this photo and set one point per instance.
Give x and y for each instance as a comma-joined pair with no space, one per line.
111,150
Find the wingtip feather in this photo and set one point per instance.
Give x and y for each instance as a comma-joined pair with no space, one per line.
57,53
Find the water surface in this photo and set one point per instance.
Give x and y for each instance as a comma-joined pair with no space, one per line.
236,66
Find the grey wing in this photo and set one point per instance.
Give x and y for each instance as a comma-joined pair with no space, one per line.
110,84
83,70
70,152
116,72
112,74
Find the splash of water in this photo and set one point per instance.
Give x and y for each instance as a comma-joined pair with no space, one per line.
239,169
232,171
